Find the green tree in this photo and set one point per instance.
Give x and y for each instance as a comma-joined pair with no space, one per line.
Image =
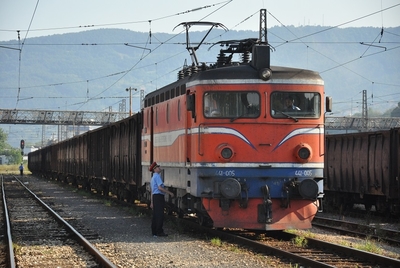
3,138
13,154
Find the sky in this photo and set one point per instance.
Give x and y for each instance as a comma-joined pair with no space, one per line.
35,18
48,17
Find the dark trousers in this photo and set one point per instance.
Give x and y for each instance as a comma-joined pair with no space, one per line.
158,214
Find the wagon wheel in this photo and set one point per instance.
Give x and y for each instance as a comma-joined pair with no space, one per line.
381,206
345,203
368,205
348,205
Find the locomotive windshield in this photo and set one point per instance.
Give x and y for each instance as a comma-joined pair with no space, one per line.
295,104
243,104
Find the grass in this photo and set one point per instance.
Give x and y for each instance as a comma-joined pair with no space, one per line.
216,242
300,241
367,245
17,248
13,169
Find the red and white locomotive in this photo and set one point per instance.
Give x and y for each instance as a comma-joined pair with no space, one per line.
240,143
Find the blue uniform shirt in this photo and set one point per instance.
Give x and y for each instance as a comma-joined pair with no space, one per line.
155,182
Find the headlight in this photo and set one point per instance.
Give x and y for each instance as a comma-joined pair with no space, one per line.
226,153
265,74
303,152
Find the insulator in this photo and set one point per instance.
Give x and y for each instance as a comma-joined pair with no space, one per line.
181,74
246,57
194,70
221,59
188,72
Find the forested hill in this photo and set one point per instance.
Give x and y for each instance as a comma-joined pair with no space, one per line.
90,70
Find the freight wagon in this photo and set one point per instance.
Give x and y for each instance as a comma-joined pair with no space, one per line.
363,168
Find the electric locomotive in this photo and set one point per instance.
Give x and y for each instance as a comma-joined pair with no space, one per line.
241,144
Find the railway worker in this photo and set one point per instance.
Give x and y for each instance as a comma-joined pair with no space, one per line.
21,169
158,192
289,105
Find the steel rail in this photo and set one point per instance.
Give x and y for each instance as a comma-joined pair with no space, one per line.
260,246
346,227
11,257
82,240
302,260
363,255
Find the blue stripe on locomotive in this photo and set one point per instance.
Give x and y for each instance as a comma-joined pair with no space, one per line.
255,179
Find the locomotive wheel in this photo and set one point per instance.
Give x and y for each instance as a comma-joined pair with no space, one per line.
168,210
180,213
201,219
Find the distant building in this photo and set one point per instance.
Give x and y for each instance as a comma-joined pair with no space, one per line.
73,131
3,160
396,111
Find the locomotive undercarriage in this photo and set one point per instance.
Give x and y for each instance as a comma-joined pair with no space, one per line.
235,194
232,190
182,204
186,204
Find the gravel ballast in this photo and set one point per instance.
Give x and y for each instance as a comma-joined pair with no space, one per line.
125,236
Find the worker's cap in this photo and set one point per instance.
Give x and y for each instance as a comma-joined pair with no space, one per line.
153,166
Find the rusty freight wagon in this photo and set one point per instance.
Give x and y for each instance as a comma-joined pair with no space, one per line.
363,168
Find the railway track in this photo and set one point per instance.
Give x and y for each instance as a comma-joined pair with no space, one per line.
4,257
298,250
374,231
39,236
311,253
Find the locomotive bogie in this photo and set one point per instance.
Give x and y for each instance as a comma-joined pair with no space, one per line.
255,216
227,197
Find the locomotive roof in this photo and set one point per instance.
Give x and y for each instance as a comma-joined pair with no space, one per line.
247,74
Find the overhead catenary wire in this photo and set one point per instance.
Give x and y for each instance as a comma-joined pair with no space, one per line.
20,52
121,23
165,73
149,38
123,73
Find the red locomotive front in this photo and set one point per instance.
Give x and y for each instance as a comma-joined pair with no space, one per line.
241,145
